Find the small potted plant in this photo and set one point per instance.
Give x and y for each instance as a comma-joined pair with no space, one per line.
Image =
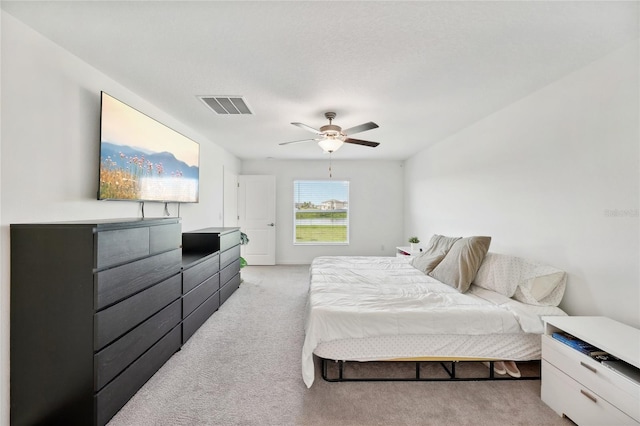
244,240
414,241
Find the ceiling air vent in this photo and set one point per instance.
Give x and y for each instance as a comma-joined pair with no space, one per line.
226,104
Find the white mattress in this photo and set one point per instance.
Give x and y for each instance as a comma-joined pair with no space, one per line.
367,308
516,347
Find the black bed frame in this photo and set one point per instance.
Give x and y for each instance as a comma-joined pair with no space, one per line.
451,372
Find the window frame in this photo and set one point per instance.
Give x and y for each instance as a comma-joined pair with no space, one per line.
295,201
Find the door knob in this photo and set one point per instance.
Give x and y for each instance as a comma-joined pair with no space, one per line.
271,224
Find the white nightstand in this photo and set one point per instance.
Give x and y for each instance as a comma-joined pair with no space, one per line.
583,389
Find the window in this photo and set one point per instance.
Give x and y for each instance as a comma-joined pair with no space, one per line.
321,212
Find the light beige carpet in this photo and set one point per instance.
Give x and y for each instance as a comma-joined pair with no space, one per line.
242,367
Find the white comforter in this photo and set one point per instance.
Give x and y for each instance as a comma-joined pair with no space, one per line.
355,297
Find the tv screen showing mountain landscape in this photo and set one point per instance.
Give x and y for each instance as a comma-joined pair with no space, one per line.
144,160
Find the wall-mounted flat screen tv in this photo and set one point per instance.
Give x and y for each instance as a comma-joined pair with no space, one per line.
144,160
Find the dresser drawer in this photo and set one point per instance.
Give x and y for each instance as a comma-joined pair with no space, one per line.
583,406
195,297
164,237
229,272
226,257
619,391
117,283
113,396
116,320
191,323
227,290
229,240
121,245
110,361
196,274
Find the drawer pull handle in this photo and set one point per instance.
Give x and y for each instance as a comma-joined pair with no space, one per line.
588,395
588,367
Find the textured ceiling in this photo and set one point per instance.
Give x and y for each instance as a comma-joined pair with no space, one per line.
421,70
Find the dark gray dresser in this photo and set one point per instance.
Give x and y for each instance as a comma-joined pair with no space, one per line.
200,290
96,309
211,273
229,262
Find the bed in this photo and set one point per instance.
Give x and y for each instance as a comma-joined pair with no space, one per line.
391,308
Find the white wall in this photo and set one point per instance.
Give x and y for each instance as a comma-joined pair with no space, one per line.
50,151
4,290
554,177
375,205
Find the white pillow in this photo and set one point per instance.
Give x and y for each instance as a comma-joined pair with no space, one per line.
524,280
440,243
544,286
460,266
426,261
500,273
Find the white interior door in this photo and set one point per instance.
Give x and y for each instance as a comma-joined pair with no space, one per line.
230,200
257,218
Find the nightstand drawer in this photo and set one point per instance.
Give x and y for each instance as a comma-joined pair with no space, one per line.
228,289
191,323
229,240
583,406
198,295
199,273
229,272
226,257
619,391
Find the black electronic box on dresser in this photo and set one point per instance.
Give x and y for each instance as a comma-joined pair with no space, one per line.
95,312
211,273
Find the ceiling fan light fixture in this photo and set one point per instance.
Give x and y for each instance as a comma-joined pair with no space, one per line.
330,144
332,137
331,129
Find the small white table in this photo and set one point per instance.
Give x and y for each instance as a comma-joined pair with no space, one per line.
579,387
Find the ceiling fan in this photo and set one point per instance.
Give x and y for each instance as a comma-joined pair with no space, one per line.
331,137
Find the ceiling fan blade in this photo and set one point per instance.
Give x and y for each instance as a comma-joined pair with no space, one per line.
302,140
308,128
361,128
361,142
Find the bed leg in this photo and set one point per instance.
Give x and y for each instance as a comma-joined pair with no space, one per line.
340,368
491,369
452,372
417,371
